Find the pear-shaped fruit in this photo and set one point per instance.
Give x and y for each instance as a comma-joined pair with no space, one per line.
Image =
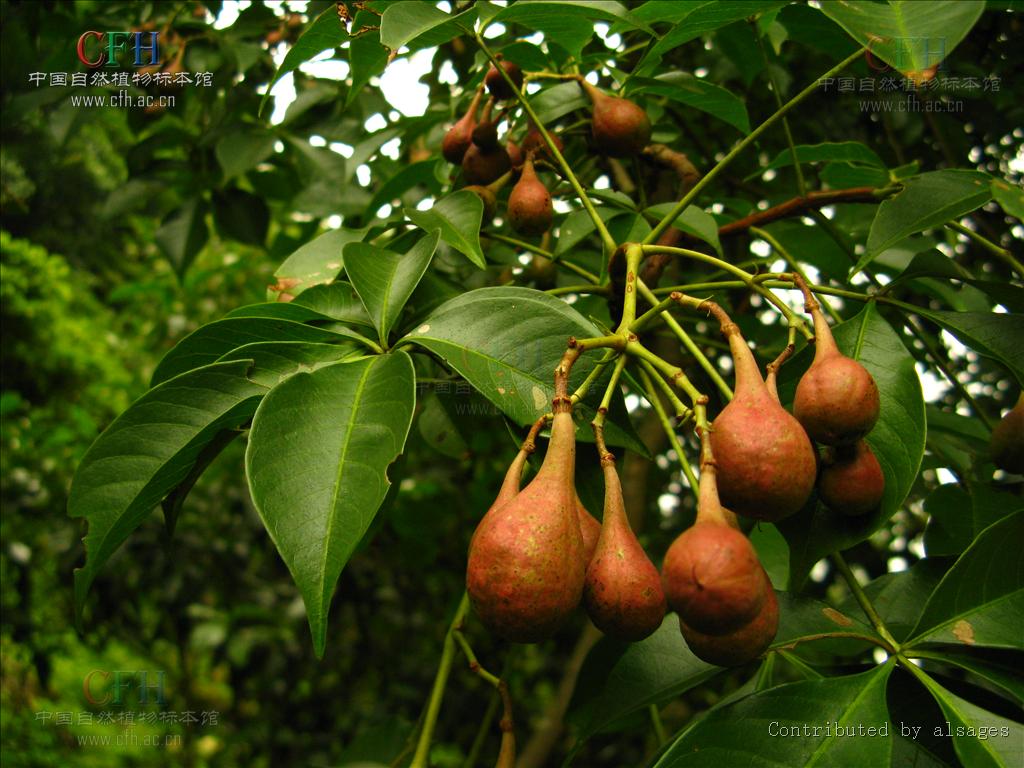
740,646
534,142
1007,443
623,593
481,166
590,529
529,204
498,86
836,399
852,483
620,127
515,153
460,136
711,573
526,562
485,134
766,463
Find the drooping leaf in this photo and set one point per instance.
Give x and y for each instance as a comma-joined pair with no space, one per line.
241,216
980,601
694,221
149,450
506,342
420,25
204,345
992,334
770,718
1003,743
318,261
275,361
244,149
840,151
183,234
317,462
897,440
458,216
385,280
619,678
366,56
1009,196
911,37
694,92
324,33
928,200
570,23
337,300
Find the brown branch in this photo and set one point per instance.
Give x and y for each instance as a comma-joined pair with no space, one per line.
799,205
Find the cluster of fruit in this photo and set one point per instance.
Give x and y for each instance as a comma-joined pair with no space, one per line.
537,553
619,128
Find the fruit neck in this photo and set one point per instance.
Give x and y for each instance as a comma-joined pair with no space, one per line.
513,477
709,508
824,343
469,119
592,92
748,375
614,506
560,460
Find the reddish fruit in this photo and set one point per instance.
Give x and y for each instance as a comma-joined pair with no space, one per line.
515,153
529,205
853,484
484,167
487,197
741,646
460,136
837,399
620,127
498,86
711,573
623,593
534,142
526,562
590,529
766,463
1007,443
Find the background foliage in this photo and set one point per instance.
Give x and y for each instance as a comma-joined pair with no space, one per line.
125,230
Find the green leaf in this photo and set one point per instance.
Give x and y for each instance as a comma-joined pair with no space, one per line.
697,93
278,310
842,151
148,451
244,149
803,618
506,342
694,221
458,216
749,731
949,530
204,345
899,597
408,21
578,225
926,201
324,33
558,101
385,280
337,300
318,261
1003,743
1009,196
897,440
618,679
415,175
980,601
367,58
241,216
997,666
438,428
910,37
183,233
317,462
568,22
704,17
275,361
992,334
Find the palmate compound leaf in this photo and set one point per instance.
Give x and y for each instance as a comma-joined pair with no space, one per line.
317,463
149,450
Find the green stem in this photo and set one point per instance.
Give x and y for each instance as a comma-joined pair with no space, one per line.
659,727
676,376
606,239
863,601
567,289
583,388
606,400
682,412
808,671
722,164
633,256
984,242
673,438
754,285
800,184
586,275
444,669
687,342
793,265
